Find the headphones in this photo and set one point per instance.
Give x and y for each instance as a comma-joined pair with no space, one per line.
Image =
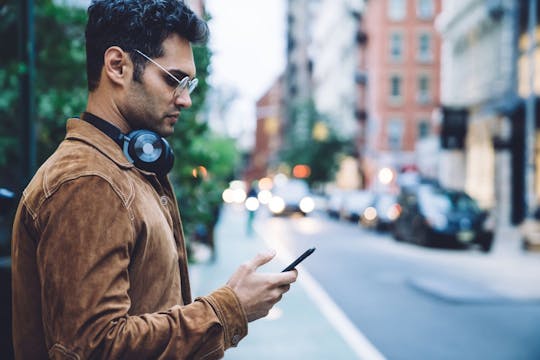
143,148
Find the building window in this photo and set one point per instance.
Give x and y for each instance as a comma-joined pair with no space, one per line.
423,94
293,90
396,46
396,88
425,51
423,129
425,9
291,43
397,9
395,134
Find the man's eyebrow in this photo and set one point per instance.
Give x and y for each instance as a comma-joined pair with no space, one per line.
179,74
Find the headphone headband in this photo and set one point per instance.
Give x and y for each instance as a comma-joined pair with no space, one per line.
106,127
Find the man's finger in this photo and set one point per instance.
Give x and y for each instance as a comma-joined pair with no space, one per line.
262,259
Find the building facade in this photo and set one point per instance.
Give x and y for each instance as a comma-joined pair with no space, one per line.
479,59
333,51
402,71
264,157
299,64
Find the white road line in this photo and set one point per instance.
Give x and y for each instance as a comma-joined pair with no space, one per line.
350,333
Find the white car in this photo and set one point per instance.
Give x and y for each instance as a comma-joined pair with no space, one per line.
335,201
355,203
292,196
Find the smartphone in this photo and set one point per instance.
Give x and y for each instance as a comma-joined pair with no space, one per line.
299,259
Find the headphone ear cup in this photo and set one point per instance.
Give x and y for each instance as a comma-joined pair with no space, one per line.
149,151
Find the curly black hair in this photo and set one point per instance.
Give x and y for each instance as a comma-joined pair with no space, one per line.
136,24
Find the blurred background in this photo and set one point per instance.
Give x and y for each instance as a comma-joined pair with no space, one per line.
399,137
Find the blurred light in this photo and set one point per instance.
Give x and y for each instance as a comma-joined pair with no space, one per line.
265,183
239,196
264,196
370,213
199,171
276,205
301,171
252,203
320,131
386,175
393,212
271,126
228,195
280,179
307,205
237,184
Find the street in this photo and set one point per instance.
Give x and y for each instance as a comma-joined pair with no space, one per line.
418,303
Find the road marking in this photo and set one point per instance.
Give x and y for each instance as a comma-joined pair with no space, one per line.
343,325
350,333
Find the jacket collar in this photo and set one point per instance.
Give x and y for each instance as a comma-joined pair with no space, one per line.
80,130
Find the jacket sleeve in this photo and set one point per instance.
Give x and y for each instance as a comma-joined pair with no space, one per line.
83,258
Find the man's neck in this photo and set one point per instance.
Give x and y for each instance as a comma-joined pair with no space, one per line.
106,109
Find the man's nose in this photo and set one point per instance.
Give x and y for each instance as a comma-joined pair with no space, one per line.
183,99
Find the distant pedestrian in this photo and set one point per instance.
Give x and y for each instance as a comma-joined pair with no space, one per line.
98,257
252,204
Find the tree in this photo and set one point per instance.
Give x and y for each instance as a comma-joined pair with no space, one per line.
302,144
60,81
61,93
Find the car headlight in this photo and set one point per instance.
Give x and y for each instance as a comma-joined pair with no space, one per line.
276,205
370,213
307,205
252,203
228,195
393,212
239,196
264,196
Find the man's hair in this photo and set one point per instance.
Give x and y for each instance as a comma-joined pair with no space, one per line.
136,24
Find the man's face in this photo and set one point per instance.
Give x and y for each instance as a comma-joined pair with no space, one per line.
152,104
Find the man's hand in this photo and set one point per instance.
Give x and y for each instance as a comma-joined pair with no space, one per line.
259,292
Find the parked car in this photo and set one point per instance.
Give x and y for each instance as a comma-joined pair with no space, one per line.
334,203
355,203
292,196
432,215
382,213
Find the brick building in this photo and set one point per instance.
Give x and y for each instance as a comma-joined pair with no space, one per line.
400,67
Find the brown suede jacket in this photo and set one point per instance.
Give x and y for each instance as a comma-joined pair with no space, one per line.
99,264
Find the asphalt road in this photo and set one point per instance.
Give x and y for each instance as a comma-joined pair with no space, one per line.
413,302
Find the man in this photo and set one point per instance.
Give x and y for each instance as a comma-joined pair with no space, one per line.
99,263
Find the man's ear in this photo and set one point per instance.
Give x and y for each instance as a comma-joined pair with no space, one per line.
117,65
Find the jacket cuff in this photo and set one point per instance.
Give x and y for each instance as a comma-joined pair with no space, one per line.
231,315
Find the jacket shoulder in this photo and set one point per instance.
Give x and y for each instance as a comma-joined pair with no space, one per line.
75,160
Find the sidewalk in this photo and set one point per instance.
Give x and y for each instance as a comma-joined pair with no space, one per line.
296,327
510,270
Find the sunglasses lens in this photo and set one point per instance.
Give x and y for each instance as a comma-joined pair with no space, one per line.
186,84
193,84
